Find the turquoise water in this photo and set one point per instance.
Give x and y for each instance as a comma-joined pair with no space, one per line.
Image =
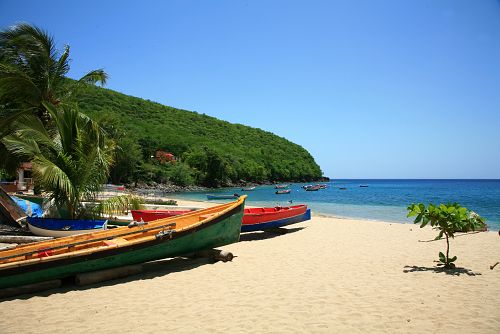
385,200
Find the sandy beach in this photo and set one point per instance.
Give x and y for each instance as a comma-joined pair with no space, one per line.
326,275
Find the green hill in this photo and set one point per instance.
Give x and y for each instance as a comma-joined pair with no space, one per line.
209,151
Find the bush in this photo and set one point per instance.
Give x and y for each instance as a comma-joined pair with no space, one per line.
448,219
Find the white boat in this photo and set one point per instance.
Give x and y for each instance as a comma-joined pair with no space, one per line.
51,227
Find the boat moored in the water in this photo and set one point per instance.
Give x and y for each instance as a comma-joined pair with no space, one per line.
233,196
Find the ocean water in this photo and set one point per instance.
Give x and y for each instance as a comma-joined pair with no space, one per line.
385,200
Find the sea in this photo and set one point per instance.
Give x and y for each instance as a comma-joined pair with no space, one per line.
382,200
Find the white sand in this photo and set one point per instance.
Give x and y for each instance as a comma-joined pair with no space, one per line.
327,275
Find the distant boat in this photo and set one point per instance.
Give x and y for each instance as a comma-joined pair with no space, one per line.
342,188
321,186
363,185
164,238
313,188
248,189
281,186
150,215
259,219
281,192
52,227
233,196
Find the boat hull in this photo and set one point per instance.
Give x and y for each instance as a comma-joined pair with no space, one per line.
220,230
150,215
36,226
262,226
221,197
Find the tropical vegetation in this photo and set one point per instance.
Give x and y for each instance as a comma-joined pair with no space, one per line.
77,125
448,219
40,121
208,151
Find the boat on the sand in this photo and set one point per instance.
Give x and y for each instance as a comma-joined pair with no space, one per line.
150,215
260,219
141,242
52,227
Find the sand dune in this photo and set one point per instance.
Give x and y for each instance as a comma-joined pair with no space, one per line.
326,275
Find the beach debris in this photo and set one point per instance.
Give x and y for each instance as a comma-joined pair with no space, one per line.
493,266
215,254
107,274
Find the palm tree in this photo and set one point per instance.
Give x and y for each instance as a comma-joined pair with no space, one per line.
70,161
32,72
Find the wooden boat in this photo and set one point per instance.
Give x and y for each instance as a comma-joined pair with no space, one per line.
150,215
281,192
51,227
169,237
258,219
281,186
9,210
234,196
313,188
248,189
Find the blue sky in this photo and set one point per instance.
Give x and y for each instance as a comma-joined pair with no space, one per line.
373,89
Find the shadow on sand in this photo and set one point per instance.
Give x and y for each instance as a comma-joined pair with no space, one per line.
453,272
150,271
269,234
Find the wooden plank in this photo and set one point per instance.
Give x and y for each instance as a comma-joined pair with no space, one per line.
22,239
10,210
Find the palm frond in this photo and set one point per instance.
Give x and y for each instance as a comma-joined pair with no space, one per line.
95,76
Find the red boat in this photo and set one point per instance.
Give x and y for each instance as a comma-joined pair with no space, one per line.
257,219
150,215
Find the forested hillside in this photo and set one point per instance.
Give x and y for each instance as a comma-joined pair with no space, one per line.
209,151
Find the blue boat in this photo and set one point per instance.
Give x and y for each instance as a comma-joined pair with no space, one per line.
234,196
52,227
277,223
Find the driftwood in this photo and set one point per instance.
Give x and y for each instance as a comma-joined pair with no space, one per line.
107,274
215,254
22,239
29,288
493,266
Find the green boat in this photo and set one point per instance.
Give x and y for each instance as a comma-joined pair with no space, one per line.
163,238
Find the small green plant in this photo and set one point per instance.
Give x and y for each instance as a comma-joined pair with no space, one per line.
447,219
118,205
